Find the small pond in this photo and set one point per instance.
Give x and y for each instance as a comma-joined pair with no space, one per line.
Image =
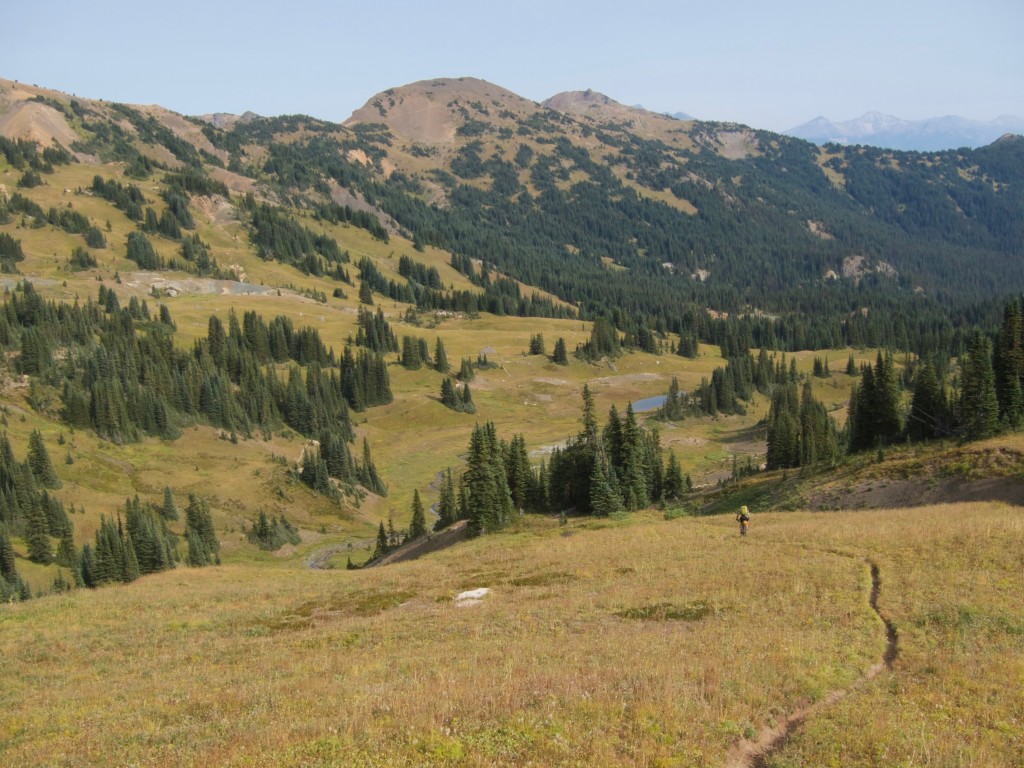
649,403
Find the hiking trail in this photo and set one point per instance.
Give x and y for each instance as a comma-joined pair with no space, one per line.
755,752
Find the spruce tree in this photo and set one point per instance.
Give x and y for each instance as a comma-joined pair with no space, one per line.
411,359
447,511
448,396
418,525
928,408
66,554
466,400
203,544
466,370
169,510
537,344
39,461
37,536
979,406
604,498
382,547
673,487
440,357
7,559
1008,365
365,293
87,567
559,356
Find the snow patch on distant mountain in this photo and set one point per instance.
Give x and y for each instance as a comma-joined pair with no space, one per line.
929,135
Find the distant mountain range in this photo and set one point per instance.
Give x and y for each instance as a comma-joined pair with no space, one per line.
930,135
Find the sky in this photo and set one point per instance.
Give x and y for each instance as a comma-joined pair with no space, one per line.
771,65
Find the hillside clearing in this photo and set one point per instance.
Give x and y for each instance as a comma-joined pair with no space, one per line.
220,665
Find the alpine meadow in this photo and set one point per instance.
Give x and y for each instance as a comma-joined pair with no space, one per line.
420,439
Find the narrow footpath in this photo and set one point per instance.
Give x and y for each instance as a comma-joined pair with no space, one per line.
755,753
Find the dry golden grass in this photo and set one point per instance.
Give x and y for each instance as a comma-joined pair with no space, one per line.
242,666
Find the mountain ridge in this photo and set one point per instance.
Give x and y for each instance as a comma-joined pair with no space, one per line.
888,131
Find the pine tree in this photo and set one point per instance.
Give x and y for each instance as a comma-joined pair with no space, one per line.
488,499
1008,365
37,535
672,410
605,501
440,357
198,554
537,344
199,533
169,510
447,511
466,404
979,406
382,547
66,554
466,370
87,567
411,359
448,396
7,559
673,486
928,407
39,461
365,293
418,525
559,356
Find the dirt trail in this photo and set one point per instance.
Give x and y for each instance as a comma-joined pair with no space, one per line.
754,753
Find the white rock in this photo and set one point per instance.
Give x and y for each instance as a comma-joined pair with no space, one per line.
472,597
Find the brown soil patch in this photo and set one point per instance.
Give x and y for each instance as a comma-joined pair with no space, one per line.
233,181
35,122
183,128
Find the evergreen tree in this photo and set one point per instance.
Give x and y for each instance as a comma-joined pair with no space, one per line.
672,410
365,293
466,400
929,416
418,525
559,356
198,554
66,554
7,559
447,511
440,357
1008,365
411,359
673,486
37,536
466,370
169,510
605,500
203,546
488,499
382,547
39,461
979,406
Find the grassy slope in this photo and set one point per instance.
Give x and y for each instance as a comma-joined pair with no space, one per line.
412,439
221,665
228,667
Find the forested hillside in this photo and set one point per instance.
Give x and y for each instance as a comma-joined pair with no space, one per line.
300,291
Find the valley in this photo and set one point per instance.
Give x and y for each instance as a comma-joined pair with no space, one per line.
238,353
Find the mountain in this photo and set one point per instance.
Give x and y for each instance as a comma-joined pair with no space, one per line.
611,209
930,135
230,336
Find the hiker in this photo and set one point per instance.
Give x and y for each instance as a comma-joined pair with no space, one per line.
744,519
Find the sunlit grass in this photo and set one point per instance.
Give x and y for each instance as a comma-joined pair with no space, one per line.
567,661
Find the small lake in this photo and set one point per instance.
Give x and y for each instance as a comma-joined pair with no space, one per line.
649,403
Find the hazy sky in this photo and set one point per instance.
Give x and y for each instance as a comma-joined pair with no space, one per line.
768,64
